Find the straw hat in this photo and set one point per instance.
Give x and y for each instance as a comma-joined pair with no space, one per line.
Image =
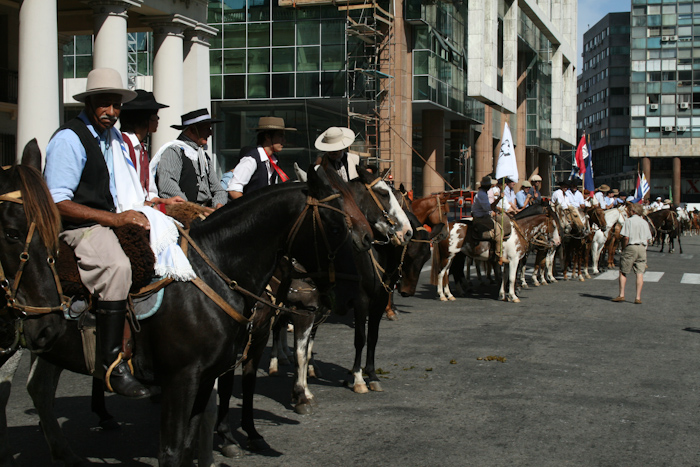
194,117
335,139
526,184
105,81
272,123
604,188
536,178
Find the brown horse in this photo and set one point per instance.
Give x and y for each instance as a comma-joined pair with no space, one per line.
666,224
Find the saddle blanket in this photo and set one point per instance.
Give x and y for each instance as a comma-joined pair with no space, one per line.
144,307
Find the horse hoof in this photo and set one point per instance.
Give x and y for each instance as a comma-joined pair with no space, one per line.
273,372
392,316
516,300
109,424
232,451
311,372
303,409
451,298
581,279
443,299
375,386
257,445
536,284
360,388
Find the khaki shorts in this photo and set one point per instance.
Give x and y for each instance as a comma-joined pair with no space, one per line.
633,258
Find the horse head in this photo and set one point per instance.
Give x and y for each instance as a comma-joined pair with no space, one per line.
29,227
381,208
331,256
417,253
361,230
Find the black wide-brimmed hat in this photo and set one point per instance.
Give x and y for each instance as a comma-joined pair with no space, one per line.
144,101
194,117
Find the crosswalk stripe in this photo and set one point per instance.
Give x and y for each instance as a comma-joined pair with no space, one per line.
690,278
649,276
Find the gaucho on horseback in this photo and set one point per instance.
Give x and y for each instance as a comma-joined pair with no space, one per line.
488,224
96,189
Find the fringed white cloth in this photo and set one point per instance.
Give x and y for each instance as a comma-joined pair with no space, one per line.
171,262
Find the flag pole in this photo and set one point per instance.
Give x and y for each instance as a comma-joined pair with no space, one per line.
503,213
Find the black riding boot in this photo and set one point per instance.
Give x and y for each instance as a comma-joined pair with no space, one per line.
110,331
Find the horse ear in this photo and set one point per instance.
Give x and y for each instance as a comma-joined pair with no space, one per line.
317,181
402,188
365,176
31,155
301,175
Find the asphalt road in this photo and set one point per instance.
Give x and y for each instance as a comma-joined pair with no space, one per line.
585,382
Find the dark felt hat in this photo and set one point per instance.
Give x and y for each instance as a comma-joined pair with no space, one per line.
194,117
144,101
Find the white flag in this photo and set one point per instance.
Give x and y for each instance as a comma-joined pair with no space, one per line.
507,166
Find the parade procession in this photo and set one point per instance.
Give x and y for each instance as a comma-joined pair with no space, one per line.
342,232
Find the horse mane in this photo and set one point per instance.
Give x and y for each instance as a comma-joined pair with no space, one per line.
349,202
38,205
531,210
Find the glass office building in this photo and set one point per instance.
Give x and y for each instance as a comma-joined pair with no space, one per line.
665,95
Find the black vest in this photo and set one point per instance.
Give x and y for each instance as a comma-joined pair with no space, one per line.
188,178
93,189
260,177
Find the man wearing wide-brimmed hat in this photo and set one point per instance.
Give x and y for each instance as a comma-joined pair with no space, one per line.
138,119
536,181
334,142
559,195
95,190
600,194
656,205
487,223
258,166
183,168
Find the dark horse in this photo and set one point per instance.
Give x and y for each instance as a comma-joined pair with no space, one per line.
372,204
190,342
665,222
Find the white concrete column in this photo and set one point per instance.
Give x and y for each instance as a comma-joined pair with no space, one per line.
110,35
38,101
196,63
197,94
168,74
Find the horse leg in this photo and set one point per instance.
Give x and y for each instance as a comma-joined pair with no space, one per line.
7,373
501,291
512,274
224,386
311,371
205,452
98,406
372,339
444,282
41,386
359,385
301,396
390,309
457,272
248,380
273,369
185,399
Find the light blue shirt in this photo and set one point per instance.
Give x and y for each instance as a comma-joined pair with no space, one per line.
520,197
66,158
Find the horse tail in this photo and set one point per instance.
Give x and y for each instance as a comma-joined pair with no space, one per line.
436,264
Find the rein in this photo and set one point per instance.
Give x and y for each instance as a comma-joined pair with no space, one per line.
386,215
11,290
233,285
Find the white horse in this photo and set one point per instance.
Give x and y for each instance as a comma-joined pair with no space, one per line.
612,216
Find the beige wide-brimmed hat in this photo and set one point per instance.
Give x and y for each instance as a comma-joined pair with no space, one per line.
105,81
536,178
272,123
604,188
526,184
335,139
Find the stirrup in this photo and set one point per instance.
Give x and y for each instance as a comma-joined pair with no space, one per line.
114,364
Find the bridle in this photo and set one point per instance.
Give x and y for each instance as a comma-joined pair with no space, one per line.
11,289
386,215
